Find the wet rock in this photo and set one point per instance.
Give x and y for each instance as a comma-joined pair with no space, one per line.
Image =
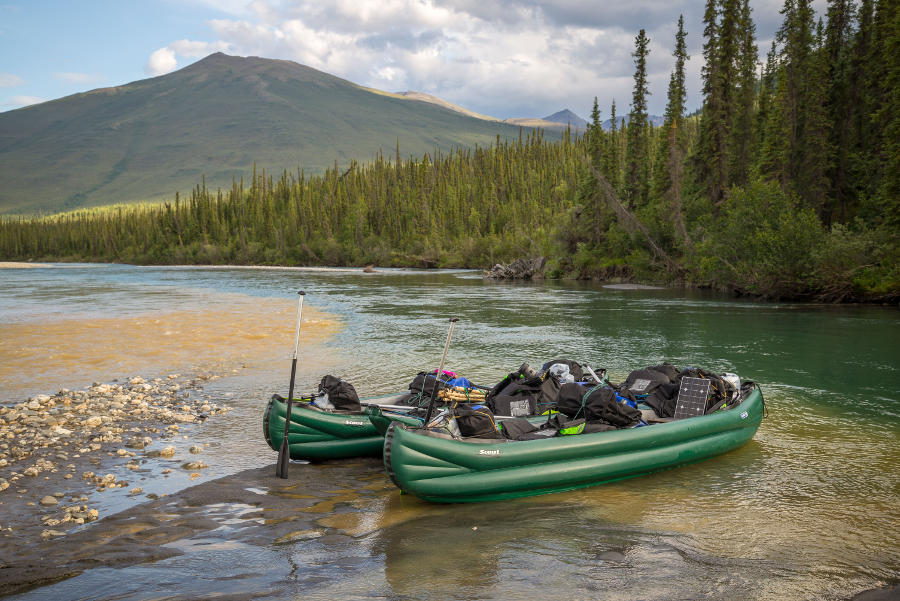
195,449
194,465
51,533
49,501
92,422
168,451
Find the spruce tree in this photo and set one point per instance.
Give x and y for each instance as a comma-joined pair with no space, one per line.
742,134
840,109
637,159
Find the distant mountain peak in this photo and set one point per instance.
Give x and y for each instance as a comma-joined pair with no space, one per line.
567,117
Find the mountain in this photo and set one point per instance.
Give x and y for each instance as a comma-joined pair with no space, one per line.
655,120
567,117
217,117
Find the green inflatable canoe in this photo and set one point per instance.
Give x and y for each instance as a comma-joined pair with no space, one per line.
439,468
316,434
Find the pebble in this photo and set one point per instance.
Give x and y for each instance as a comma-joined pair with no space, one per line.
49,533
89,424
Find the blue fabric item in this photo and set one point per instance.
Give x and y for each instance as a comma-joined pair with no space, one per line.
626,400
464,382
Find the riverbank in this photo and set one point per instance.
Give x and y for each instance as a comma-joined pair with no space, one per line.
21,265
61,454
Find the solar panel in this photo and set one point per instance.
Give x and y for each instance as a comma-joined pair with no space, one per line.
691,397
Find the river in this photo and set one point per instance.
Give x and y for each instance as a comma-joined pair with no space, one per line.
809,509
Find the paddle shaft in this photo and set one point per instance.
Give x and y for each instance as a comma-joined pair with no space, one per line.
284,452
440,371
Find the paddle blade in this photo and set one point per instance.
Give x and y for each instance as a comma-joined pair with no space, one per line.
284,457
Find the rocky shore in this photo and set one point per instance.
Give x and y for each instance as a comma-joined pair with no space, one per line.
55,449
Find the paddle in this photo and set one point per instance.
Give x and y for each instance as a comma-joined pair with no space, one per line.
284,453
440,371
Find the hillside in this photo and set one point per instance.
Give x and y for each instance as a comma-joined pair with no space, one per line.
147,139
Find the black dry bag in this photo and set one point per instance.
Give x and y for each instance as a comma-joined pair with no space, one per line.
341,394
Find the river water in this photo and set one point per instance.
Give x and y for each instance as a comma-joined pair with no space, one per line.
809,509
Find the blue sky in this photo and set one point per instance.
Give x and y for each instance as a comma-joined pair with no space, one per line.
518,58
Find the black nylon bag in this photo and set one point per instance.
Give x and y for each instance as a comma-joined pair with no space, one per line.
521,405
514,428
602,405
423,383
568,401
668,369
341,394
574,368
476,422
663,399
645,381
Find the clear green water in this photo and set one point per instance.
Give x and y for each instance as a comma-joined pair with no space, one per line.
809,509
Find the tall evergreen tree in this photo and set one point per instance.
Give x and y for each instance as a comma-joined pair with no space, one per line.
886,48
840,109
637,161
670,153
861,96
708,145
742,134
816,152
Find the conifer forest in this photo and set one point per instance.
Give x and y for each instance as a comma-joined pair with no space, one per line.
785,184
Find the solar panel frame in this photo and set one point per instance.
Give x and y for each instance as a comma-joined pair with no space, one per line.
692,397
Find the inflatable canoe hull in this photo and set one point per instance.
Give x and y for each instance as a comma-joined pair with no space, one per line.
446,470
317,435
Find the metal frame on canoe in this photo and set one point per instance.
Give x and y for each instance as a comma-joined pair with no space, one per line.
437,467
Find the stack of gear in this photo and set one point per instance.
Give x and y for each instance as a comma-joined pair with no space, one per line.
658,387
526,392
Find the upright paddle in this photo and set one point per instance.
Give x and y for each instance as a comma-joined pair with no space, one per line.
284,453
440,371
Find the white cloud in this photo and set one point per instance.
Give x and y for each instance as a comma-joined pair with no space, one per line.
83,78
161,62
520,58
20,101
8,80
165,59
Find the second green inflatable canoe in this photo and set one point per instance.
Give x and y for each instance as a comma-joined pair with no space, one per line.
437,467
316,434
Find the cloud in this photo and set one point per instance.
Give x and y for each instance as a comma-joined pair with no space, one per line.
82,78
161,62
20,101
8,80
165,59
520,58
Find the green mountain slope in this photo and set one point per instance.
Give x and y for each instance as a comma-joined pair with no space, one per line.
216,117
